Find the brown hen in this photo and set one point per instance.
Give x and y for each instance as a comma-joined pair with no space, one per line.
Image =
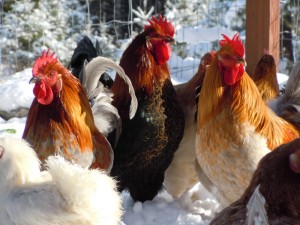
265,77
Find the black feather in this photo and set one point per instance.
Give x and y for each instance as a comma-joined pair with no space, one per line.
85,50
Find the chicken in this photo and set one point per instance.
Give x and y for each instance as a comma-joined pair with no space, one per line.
181,175
64,194
273,193
89,67
147,143
235,128
265,77
287,105
60,119
85,52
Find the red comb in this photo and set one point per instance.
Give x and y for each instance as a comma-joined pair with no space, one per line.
43,60
235,42
163,23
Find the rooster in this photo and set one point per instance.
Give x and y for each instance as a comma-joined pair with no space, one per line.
64,194
235,128
272,196
181,175
60,119
147,143
265,77
89,66
85,52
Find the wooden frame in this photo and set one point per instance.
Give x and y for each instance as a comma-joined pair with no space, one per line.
262,31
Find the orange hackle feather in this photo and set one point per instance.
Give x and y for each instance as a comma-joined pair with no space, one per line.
142,74
67,122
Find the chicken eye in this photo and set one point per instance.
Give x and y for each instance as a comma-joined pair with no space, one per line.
51,74
226,56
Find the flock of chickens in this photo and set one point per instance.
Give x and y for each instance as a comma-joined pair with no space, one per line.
88,137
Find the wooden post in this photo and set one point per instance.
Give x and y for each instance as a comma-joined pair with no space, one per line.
262,31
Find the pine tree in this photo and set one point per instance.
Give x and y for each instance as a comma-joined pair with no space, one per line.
33,26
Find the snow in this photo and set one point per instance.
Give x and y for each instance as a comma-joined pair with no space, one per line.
191,34
196,206
16,90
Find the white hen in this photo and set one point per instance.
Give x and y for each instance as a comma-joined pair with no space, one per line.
64,194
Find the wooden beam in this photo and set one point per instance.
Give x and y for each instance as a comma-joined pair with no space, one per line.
262,31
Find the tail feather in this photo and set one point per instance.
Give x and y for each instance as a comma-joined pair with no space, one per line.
287,105
256,212
106,116
96,68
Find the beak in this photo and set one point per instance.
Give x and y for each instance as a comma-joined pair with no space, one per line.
242,61
34,80
171,40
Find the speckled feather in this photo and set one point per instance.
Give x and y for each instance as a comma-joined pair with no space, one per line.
148,142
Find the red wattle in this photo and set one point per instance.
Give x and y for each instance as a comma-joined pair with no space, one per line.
162,52
233,74
43,94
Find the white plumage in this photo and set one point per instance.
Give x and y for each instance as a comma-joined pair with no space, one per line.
64,194
106,116
256,211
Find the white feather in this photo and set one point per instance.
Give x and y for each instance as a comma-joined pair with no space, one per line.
256,211
65,194
95,68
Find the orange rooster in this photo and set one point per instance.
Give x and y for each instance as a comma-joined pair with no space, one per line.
181,175
147,143
235,127
273,196
265,77
60,119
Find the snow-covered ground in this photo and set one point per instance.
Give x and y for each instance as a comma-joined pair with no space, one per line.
195,207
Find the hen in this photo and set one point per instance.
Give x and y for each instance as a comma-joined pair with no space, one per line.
273,194
235,127
64,194
265,77
287,105
181,175
60,119
147,143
